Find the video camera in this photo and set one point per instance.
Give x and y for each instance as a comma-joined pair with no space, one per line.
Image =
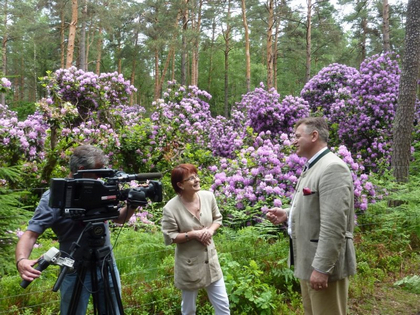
88,199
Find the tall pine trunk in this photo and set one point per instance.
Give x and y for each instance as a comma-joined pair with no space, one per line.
184,44
308,40
247,53
99,51
134,65
157,72
4,49
385,26
275,50
62,37
82,47
196,27
213,39
72,34
404,118
364,29
270,44
226,52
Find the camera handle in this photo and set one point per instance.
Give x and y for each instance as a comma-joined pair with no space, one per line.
52,256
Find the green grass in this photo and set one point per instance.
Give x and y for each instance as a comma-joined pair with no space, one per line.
255,270
253,260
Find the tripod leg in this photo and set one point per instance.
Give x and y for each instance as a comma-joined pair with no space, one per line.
112,292
116,287
96,294
110,310
77,290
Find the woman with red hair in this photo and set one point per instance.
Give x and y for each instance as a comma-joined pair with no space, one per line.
190,220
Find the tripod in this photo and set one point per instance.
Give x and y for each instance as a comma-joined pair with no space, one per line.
97,257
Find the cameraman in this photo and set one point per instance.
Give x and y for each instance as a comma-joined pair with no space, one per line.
68,231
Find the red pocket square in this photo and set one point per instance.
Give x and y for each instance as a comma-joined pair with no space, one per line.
307,191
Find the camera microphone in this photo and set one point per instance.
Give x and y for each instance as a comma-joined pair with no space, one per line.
146,176
139,177
48,258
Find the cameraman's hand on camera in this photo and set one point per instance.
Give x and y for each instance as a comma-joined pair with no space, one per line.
134,199
125,213
276,215
26,269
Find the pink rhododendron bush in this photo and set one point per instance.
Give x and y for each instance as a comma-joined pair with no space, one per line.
246,159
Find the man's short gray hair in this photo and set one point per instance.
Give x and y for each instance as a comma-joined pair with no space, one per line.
87,157
315,123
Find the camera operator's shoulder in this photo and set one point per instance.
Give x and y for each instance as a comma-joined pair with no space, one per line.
46,193
45,198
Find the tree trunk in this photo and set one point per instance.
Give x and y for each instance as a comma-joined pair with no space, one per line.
213,36
404,117
157,92
196,26
166,66
134,64
247,53
4,49
175,35
169,58
275,50
173,67
363,40
82,47
35,94
193,51
119,59
270,44
308,40
89,42
62,37
22,79
18,88
184,45
385,26
99,50
227,49
198,40
72,34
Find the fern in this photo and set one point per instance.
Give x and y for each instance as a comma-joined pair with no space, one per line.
10,216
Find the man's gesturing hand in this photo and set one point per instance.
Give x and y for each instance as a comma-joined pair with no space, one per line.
276,215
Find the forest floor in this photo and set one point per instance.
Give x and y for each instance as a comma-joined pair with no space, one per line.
387,299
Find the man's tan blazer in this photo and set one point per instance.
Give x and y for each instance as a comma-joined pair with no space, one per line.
323,220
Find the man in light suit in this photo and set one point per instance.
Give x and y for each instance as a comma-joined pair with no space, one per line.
320,222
